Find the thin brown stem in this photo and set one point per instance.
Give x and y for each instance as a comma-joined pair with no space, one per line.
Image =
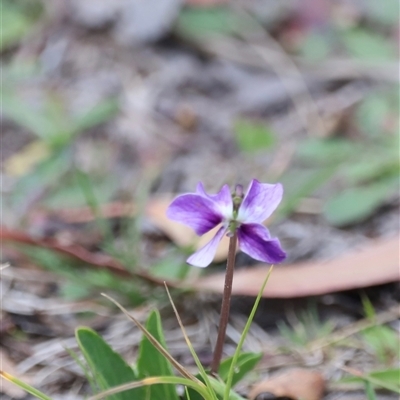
225,306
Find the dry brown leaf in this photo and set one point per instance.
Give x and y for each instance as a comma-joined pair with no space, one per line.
294,384
7,387
375,264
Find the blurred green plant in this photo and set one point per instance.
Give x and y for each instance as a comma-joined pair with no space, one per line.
17,20
252,136
152,377
306,328
368,46
367,170
388,379
198,22
89,281
380,340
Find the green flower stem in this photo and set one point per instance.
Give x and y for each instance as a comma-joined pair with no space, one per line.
226,304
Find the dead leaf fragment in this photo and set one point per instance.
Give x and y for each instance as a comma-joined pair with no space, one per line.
375,264
293,384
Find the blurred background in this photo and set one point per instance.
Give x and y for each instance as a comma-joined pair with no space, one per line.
112,107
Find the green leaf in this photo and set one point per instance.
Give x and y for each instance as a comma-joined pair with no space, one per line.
23,114
388,379
369,391
152,363
44,175
326,151
368,46
356,204
253,136
372,168
100,113
15,22
377,114
168,268
245,363
302,183
386,12
383,342
198,22
109,368
315,47
25,386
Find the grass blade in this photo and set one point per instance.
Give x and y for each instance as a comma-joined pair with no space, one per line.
155,380
28,388
155,343
243,337
190,346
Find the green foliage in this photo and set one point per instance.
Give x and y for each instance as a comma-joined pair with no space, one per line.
381,340
45,175
386,379
369,391
108,367
307,328
51,122
245,364
206,21
301,183
252,136
385,12
368,46
378,113
367,171
152,363
357,203
25,386
315,47
17,20
89,280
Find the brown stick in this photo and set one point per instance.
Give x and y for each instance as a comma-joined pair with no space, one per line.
225,306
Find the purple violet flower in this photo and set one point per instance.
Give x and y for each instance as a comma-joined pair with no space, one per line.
203,212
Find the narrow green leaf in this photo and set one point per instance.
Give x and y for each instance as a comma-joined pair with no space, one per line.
157,380
28,388
387,379
100,113
303,184
44,175
152,363
368,46
326,151
229,380
199,22
355,204
109,368
245,363
21,113
369,391
253,136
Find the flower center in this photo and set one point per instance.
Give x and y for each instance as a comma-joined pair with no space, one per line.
237,199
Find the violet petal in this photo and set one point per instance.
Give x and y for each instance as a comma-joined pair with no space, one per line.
255,240
260,202
204,256
199,212
223,199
